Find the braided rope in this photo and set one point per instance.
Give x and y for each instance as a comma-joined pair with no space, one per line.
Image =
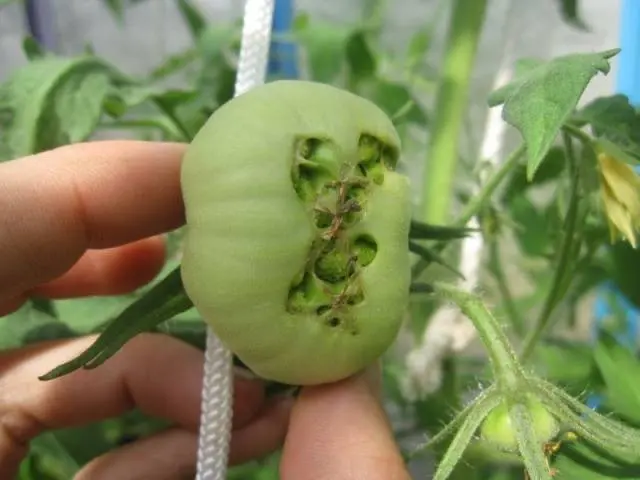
217,386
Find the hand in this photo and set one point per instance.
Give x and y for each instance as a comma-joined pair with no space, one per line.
88,220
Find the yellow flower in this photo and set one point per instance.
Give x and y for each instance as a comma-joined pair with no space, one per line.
620,194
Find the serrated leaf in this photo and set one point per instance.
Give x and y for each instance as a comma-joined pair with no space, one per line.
52,101
613,119
619,368
539,102
163,301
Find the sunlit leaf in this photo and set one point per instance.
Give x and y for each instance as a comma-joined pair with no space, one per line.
541,100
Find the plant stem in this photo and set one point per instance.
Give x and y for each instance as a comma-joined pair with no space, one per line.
563,267
477,202
503,287
465,28
503,359
577,133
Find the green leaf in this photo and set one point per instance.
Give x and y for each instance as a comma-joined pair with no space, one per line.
360,57
604,145
121,98
186,108
216,82
623,270
116,7
49,331
58,458
45,305
534,232
614,119
190,330
550,169
193,17
324,45
426,231
419,46
86,314
570,14
539,102
52,101
15,327
580,460
620,370
431,256
395,99
174,64
567,363
163,301
32,49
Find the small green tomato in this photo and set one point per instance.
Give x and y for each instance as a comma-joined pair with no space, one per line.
296,244
498,432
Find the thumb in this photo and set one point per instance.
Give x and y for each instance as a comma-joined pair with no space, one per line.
340,432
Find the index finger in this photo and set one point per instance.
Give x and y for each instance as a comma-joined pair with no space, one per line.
57,204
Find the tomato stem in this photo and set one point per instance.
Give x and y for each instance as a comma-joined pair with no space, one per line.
465,28
504,363
565,255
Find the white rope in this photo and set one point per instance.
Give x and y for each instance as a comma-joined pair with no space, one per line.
217,387
449,330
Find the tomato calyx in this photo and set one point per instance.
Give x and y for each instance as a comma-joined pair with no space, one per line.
498,430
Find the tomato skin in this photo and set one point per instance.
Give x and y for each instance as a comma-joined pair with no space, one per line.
249,233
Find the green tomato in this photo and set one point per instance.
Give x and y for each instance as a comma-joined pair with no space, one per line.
296,242
497,430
